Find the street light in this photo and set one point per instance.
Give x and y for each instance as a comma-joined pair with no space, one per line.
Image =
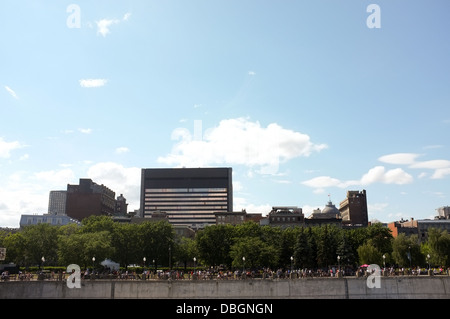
93,265
292,263
428,260
195,259
339,262
243,266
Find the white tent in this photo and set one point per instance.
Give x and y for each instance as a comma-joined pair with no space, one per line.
110,264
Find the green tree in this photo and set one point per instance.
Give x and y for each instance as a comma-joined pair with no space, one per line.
187,250
345,250
214,243
406,250
40,241
125,240
304,252
369,254
326,246
256,253
80,248
439,244
15,248
380,236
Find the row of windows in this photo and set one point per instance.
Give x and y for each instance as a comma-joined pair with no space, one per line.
185,195
284,219
186,208
184,190
185,202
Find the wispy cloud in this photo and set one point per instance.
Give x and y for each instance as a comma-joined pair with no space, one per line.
103,25
7,147
122,150
85,130
377,174
92,83
11,92
441,167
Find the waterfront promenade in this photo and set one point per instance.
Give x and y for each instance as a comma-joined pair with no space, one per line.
350,287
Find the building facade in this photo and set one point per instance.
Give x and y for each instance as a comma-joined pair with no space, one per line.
236,218
51,219
353,209
285,216
443,212
57,202
88,198
329,215
189,196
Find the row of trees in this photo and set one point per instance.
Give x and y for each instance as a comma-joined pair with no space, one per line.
311,247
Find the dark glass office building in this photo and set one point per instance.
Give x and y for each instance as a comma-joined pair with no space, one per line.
189,196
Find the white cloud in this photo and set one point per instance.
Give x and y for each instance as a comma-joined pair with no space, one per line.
251,73
377,174
126,16
11,92
7,147
433,164
441,173
240,203
399,158
441,167
85,130
92,83
120,179
122,150
56,178
240,142
103,25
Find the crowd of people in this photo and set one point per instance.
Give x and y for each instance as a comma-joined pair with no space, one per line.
214,274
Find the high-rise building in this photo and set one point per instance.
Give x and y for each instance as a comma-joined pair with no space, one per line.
189,196
89,198
354,209
57,203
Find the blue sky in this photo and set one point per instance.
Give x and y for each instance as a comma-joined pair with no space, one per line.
302,98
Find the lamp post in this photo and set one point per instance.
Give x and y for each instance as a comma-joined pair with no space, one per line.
384,264
43,261
193,277
154,264
292,266
143,272
428,260
243,265
93,263
339,263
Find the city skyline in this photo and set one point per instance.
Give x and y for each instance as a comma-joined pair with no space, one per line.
302,99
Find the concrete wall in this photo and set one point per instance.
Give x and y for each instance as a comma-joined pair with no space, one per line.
323,288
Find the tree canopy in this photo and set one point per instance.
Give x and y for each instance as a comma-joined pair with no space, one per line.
220,245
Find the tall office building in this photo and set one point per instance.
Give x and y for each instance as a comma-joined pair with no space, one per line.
354,208
189,196
57,203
